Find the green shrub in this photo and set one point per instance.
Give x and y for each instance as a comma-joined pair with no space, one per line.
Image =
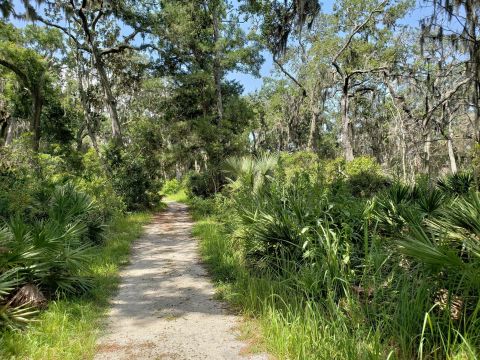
203,207
456,184
365,177
51,254
171,186
300,162
131,178
250,174
95,182
403,265
279,220
204,184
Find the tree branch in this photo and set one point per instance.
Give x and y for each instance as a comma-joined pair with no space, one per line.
119,48
304,92
98,16
63,29
356,29
446,97
23,77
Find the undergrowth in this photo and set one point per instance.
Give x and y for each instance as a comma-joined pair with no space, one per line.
69,327
333,268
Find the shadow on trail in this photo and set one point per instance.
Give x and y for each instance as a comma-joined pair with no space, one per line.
164,278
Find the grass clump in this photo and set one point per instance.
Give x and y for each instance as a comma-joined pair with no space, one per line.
69,327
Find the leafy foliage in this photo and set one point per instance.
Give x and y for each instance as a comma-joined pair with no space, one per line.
171,187
457,184
52,253
406,255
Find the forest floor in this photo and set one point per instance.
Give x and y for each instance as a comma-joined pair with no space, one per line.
165,306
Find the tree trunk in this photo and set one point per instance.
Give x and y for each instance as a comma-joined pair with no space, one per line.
347,128
427,154
37,104
403,151
451,156
217,69
401,108
10,132
474,49
111,101
80,136
474,52
312,143
451,152
86,108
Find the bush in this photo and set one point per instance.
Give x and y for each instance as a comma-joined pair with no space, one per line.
131,178
94,181
279,222
204,184
249,174
46,257
365,177
403,265
456,184
171,186
301,162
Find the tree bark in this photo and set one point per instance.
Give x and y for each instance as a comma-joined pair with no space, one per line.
427,154
10,132
403,150
86,107
451,155
312,143
217,69
35,87
347,128
451,151
37,104
111,101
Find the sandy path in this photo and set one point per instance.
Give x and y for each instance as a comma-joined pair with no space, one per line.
165,308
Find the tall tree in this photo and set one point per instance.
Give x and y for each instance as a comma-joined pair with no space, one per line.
364,52
84,29
31,71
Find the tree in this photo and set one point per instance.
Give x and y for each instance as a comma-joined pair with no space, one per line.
281,19
85,31
31,71
365,51
459,21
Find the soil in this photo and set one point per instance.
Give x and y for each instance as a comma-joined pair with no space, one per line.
165,306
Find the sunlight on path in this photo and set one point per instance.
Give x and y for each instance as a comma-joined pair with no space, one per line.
165,307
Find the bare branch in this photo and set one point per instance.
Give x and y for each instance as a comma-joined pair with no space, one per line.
63,29
279,64
353,33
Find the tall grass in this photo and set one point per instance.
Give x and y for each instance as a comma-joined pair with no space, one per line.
329,273
293,327
69,328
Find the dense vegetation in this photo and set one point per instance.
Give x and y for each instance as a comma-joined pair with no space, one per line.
339,203
336,266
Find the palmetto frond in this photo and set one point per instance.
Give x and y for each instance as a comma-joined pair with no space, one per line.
250,172
456,184
450,240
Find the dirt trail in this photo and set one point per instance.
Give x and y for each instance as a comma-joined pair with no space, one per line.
165,308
